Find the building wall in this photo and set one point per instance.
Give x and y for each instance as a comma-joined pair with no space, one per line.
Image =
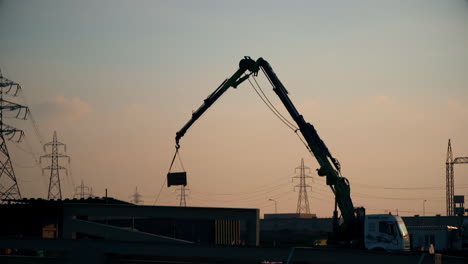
434,220
294,231
443,238
114,220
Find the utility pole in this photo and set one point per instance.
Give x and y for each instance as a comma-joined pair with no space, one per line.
136,197
424,207
9,188
276,208
303,200
276,219
55,189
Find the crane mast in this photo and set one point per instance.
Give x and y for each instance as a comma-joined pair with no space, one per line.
329,166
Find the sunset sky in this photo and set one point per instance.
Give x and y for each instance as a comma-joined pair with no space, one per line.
385,83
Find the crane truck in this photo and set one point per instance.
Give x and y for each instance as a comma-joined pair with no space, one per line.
354,228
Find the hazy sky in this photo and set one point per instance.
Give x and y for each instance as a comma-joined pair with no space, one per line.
384,82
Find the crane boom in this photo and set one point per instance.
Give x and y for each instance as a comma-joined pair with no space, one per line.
329,166
245,64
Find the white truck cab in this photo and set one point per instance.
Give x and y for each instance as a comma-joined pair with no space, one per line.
385,232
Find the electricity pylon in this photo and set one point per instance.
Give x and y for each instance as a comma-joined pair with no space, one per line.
9,188
450,179
83,191
136,197
303,200
55,189
182,195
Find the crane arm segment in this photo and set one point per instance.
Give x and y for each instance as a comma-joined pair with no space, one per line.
329,166
246,64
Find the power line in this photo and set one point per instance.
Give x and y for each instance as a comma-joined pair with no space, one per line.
389,198
250,197
257,197
36,163
265,188
33,120
275,196
399,188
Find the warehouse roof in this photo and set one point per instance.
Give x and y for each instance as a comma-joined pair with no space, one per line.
91,200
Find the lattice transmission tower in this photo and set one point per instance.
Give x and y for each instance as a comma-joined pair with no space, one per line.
55,188
82,191
449,180
303,200
136,197
9,188
182,195
450,176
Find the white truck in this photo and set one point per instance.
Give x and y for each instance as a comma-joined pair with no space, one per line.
385,232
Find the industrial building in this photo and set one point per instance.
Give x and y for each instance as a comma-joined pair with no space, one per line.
442,238
293,229
107,230
111,219
61,229
443,232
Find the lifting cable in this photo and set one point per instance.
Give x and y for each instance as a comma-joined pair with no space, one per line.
277,113
23,166
33,155
176,154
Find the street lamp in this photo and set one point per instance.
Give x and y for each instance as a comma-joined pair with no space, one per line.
276,208
424,208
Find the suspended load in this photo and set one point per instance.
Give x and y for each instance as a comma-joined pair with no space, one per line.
177,178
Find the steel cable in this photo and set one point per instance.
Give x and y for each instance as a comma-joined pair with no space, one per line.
276,110
272,109
278,114
33,120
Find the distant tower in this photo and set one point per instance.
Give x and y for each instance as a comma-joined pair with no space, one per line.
182,195
136,197
450,176
8,184
449,180
83,191
55,190
303,200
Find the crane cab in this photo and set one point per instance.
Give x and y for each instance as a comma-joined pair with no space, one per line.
385,232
